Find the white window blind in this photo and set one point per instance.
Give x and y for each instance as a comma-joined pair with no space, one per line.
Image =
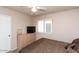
45,26
40,26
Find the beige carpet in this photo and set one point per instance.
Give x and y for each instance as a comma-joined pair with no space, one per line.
45,46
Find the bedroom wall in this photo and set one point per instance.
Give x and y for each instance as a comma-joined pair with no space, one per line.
19,23
65,25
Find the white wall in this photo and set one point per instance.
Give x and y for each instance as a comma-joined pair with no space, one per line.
65,25
19,22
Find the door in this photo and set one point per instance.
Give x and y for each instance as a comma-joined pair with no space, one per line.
5,32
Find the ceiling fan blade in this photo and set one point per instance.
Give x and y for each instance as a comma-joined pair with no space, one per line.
40,9
43,10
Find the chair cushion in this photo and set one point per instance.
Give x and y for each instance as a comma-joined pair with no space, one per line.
73,47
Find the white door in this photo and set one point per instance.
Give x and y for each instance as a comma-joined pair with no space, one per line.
5,32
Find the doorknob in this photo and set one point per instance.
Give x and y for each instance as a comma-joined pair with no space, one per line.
8,35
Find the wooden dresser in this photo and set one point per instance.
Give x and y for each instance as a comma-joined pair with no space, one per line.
24,40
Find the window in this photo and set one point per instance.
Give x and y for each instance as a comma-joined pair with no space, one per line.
40,26
45,26
48,26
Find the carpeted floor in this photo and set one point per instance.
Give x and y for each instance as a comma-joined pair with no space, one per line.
45,46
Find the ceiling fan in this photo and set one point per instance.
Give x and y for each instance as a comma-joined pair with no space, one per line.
36,8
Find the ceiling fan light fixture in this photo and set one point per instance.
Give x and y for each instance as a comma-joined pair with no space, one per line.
34,9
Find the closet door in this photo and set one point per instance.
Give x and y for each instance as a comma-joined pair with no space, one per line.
5,32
